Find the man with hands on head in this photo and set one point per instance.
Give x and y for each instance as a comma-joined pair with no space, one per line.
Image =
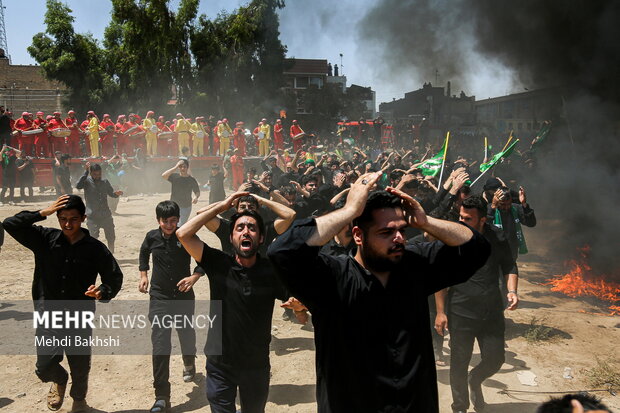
370,310
247,287
67,262
183,184
170,294
96,192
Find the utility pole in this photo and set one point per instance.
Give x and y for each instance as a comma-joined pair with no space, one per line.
4,45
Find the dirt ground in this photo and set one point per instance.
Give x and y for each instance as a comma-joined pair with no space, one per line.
123,384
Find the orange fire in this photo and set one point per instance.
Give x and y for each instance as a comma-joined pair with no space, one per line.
581,281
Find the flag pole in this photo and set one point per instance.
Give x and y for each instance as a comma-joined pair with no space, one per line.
486,147
509,139
445,152
480,176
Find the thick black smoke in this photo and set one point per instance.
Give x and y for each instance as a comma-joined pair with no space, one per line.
573,45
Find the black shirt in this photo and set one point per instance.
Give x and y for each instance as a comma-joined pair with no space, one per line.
525,215
373,344
5,125
64,271
171,263
479,297
247,296
216,188
182,188
9,165
26,175
96,194
64,175
333,248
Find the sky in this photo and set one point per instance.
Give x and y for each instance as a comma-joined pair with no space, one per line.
311,29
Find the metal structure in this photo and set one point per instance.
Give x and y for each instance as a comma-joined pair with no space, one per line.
4,45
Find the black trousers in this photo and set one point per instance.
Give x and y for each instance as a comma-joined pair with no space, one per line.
161,338
8,183
463,332
222,384
97,222
48,367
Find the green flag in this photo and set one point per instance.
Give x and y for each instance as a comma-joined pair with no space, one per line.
540,136
432,166
498,156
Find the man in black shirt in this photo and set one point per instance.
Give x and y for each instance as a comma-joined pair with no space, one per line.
183,184
216,184
63,175
247,286
8,158
96,193
26,175
170,294
477,313
370,311
5,128
67,262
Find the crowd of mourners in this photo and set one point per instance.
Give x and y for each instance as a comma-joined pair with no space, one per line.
349,232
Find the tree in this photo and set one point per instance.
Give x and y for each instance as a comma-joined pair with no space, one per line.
71,58
240,61
148,53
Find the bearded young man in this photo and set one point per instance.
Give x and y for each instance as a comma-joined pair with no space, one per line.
370,310
247,287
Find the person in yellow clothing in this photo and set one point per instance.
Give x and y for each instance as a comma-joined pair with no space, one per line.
224,131
182,128
198,130
93,133
264,138
150,127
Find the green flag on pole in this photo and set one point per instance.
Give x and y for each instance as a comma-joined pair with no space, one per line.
432,166
498,156
540,136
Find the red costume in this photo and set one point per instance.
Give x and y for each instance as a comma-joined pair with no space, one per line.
278,135
58,144
296,130
239,138
236,162
107,136
73,142
41,140
25,141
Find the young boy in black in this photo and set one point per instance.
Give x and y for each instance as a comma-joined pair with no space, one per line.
171,294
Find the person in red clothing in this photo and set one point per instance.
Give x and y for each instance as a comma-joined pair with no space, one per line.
236,162
58,143
107,136
239,138
297,134
41,140
73,143
84,128
25,141
255,133
278,135
215,149
135,133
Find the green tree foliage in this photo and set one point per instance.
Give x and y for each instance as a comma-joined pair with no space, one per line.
240,61
71,58
147,51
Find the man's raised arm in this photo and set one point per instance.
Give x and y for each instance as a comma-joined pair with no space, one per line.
286,215
187,233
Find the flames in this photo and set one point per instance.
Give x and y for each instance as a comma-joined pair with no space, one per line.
581,281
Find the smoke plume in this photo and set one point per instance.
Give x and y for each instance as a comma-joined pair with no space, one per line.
572,45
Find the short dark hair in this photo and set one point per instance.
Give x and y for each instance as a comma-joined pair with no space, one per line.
185,161
309,178
75,202
376,200
248,213
288,190
476,202
563,404
95,167
64,157
167,209
249,199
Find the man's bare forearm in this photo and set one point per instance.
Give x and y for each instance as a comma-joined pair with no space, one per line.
440,301
327,226
192,226
450,233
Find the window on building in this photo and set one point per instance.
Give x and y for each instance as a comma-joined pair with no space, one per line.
301,82
520,126
509,125
529,126
316,81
